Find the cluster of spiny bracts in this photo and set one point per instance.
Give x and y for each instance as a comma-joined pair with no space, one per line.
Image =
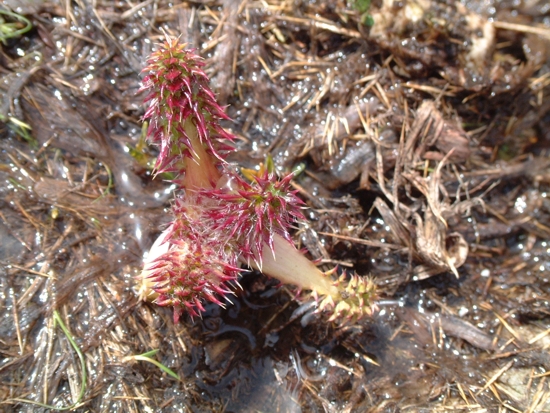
221,219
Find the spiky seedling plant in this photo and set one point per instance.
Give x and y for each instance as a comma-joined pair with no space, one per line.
221,219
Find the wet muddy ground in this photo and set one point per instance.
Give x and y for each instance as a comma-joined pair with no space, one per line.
424,140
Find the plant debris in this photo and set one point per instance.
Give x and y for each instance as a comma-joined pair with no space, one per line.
421,128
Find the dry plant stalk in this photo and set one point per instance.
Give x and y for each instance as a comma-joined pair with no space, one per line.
222,219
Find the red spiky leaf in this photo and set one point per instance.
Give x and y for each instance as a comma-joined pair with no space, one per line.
177,89
250,213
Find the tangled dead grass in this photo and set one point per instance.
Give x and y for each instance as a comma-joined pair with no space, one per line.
426,151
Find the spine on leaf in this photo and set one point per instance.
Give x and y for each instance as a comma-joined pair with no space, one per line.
184,116
221,219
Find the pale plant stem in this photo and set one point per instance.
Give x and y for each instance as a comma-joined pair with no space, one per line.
201,171
289,266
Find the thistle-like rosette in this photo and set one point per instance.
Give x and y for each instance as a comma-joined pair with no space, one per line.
220,218
188,266
183,112
356,298
251,213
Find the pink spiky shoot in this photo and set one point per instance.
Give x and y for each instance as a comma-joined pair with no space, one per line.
220,218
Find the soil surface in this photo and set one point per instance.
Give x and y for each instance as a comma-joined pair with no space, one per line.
423,131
